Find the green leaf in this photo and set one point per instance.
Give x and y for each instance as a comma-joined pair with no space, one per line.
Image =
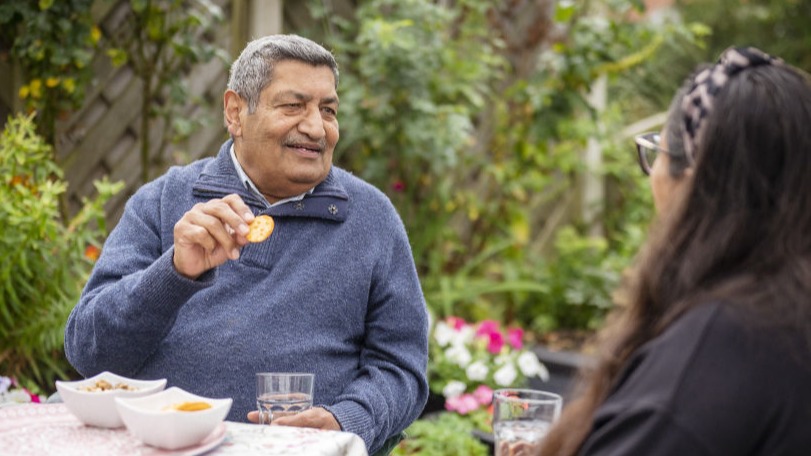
564,10
118,56
138,6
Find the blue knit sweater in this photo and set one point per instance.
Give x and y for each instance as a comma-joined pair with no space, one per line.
333,291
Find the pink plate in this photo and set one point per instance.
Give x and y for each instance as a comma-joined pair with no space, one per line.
37,429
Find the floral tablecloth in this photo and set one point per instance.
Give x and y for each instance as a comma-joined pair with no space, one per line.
46,429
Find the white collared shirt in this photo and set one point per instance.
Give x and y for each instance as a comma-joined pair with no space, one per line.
243,177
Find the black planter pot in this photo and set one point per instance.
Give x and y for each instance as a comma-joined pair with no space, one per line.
563,367
435,404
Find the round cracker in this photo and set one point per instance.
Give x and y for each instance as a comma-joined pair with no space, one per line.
260,228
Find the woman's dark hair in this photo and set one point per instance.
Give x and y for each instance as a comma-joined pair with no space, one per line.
738,234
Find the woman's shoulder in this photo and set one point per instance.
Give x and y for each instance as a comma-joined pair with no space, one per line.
718,377
713,355
720,340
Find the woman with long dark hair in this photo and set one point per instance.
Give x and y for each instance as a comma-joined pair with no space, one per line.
709,350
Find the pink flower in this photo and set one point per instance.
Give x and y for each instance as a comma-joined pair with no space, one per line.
515,337
483,395
495,343
456,323
487,327
398,186
34,397
463,404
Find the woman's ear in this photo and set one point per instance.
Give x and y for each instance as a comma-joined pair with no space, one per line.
232,107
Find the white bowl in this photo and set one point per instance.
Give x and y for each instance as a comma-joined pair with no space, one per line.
97,408
152,420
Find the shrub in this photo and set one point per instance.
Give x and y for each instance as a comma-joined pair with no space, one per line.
45,260
477,133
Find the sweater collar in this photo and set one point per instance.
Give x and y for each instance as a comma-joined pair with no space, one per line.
328,200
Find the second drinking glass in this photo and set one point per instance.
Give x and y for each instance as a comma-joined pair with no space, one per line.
521,419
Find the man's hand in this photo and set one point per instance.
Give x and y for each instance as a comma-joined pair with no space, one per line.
317,417
210,234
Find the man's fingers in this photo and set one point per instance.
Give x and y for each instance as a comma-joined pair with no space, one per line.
317,417
188,233
209,232
230,211
239,207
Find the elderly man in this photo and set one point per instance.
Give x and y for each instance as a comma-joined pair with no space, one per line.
179,292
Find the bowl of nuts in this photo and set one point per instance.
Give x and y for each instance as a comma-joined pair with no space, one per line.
92,400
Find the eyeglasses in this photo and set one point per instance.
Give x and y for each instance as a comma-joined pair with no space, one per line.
647,148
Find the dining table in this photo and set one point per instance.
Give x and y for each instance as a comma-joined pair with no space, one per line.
50,429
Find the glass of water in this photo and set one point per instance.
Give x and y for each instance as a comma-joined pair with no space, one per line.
521,419
282,394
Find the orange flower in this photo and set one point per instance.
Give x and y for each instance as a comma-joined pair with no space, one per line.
24,181
19,180
91,252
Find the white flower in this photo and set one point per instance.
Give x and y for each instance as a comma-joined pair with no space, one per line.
17,396
443,334
462,336
459,355
530,366
467,333
5,384
477,371
502,359
454,388
506,375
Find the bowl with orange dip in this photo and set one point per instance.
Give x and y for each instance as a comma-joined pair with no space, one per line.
174,418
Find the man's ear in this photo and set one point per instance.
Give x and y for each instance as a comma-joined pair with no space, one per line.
232,107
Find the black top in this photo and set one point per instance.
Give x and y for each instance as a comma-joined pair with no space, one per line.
709,385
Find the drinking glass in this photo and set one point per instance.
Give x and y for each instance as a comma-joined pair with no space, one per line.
521,419
282,394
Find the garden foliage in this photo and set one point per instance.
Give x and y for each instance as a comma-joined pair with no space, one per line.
47,253
44,260
779,27
443,435
483,154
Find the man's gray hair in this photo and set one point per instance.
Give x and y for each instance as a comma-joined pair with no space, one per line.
253,69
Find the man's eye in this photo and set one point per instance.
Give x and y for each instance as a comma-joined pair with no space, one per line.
329,111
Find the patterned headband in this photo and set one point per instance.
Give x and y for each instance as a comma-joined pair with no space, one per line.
699,100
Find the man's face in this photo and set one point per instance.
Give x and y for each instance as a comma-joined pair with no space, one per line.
286,145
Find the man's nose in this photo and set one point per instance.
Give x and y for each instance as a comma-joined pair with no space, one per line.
312,124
